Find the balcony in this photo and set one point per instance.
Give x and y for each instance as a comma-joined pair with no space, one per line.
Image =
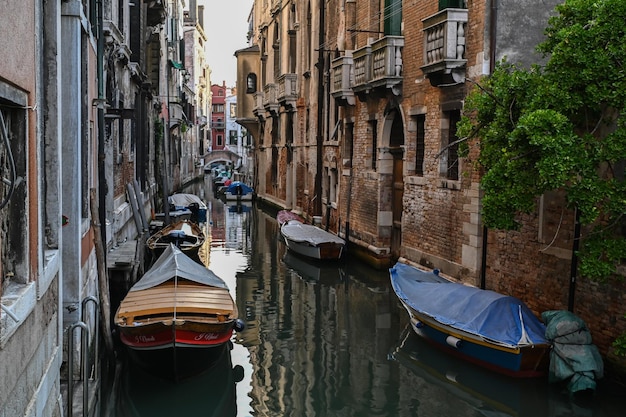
378,66
258,110
288,90
276,7
341,72
156,12
444,47
270,101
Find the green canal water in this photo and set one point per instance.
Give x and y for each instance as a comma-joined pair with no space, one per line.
326,340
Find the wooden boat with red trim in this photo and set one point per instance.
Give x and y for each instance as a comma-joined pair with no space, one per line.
178,317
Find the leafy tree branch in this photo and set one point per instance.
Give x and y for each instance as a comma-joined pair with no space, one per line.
560,126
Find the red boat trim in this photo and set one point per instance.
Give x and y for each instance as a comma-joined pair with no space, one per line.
183,338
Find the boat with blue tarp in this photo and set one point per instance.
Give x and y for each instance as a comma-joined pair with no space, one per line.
493,330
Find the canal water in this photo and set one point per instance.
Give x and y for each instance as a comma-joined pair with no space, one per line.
325,340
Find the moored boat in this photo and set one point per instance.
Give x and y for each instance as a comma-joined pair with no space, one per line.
309,240
495,331
188,236
283,216
191,202
178,317
238,190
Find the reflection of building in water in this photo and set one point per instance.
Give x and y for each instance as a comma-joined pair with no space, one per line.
303,336
216,223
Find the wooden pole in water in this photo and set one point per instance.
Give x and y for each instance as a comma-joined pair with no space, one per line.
103,281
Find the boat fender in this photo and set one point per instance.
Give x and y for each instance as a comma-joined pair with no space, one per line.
454,342
451,376
239,325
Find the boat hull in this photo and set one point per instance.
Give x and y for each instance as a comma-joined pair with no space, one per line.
323,251
165,335
521,362
177,363
309,240
237,197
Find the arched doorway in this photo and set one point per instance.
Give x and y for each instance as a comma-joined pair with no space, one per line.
396,143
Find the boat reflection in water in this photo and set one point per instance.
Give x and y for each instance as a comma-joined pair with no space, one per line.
211,393
327,273
489,393
238,206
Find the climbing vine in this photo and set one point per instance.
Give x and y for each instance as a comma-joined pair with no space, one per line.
562,126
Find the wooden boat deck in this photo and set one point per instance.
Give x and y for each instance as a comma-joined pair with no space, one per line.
187,300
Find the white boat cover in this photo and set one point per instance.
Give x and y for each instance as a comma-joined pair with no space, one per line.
184,200
299,232
174,263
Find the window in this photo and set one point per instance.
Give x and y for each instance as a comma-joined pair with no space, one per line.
420,122
276,47
450,157
220,140
274,167
218,108
373,127
451,4
13,190
275,130
233,110
347,145
251,83
333,186
393,17
232,137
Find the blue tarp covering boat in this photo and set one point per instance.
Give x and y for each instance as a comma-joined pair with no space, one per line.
238,190
481,312
479,324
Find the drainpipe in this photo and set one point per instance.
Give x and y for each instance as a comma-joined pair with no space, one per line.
492,65
574,264
101,151
320,113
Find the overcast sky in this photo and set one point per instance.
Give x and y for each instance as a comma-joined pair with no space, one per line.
226,26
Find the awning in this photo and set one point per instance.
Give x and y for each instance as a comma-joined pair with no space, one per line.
177,65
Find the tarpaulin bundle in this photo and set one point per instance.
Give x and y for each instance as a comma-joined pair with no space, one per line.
573,354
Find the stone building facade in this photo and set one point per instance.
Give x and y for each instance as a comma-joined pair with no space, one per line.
91,103
356,104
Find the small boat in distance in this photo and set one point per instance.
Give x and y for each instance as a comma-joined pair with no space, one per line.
283,216
191,202
237,190
177,319
309,240
492,330
186,235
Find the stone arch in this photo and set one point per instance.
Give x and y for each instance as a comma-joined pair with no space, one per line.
392,173
220,156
